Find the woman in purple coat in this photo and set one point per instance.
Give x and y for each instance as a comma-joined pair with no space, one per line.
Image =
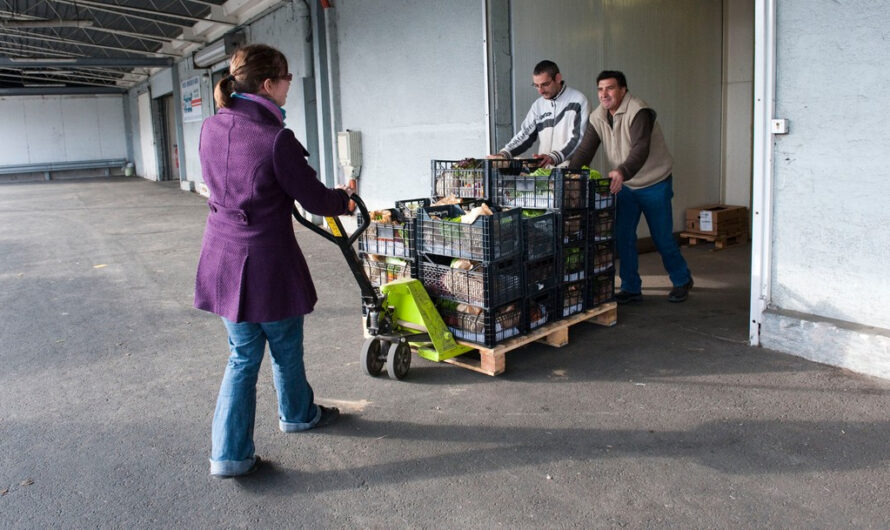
251,271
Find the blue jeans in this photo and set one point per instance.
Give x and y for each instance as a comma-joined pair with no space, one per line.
655,203
232,451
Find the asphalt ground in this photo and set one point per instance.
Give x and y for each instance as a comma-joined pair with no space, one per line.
666,420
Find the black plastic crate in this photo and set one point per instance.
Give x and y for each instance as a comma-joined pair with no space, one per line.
572,226
601,257
541,309
380,271
482,326
599,197
572,262
540,275
410,207
397,238
601,288
561,188
482,285
601,225
470,178
465,178
488,238
539,235
571,298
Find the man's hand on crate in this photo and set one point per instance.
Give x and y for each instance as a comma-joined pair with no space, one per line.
617,181
544,160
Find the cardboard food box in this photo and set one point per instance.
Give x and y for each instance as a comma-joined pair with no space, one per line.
717,219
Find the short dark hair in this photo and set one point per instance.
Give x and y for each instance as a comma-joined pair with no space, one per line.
613,74
546,67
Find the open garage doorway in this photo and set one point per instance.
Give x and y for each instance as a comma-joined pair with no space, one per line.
691,60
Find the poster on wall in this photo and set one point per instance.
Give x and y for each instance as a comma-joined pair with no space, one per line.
191,100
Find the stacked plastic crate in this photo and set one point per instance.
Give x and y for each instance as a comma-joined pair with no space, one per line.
601,244
388,247
470,262
554,205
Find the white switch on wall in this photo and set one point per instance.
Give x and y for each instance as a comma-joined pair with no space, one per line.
779,126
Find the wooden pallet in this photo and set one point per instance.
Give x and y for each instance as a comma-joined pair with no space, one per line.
720,241
492,361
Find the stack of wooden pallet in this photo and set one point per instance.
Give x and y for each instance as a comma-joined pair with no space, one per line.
721,224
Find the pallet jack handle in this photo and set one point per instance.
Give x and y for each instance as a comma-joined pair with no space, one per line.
336,233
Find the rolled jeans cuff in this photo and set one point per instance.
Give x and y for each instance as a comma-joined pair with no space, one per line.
231,467
288,426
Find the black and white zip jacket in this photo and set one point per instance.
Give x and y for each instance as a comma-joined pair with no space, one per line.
558,124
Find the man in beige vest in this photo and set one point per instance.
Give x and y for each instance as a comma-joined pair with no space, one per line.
641,177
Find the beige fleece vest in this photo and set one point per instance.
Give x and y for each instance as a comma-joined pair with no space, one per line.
616,142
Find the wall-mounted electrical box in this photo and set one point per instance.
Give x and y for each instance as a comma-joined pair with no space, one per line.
349,152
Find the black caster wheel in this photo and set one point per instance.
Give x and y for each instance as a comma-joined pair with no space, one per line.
372,357
398,360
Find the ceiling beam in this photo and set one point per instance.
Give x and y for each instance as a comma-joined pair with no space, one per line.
74,42
113,62
60,91
125,10
44,23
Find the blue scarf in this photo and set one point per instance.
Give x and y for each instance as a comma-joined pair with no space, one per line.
269,104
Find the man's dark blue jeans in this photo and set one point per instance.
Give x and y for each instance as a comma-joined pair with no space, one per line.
655,203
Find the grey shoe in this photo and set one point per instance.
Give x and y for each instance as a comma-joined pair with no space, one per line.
680,293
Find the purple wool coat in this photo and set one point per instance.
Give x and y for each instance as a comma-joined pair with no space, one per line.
251,268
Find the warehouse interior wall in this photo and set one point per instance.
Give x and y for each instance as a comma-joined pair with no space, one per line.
738,101
828,282
412,81
44,129
672,55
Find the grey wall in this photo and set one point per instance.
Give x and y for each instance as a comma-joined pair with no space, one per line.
42,129
671,53
412,81
831,246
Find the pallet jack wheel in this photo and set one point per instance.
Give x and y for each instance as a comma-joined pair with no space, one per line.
372,359
398,360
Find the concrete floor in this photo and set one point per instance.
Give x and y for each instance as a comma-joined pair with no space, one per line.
668,419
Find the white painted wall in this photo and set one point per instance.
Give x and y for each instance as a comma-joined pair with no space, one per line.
412,81
671,53
43,129
831,179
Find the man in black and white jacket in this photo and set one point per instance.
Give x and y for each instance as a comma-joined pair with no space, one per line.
557,119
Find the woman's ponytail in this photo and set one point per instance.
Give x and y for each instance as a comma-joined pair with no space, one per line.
222,94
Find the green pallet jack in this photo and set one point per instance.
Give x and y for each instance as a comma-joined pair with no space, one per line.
399,315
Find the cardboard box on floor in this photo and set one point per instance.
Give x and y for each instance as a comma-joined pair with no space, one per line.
717,219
